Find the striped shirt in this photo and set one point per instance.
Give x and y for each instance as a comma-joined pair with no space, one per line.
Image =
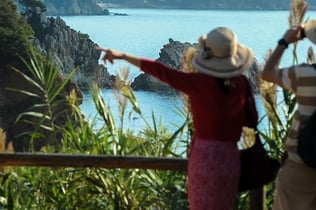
300,79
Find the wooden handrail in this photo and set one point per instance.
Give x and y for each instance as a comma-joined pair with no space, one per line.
102,161
105,161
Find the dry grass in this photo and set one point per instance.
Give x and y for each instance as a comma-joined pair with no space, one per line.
310,55
268,90
268,93
186,63
122,82
3,147
247,139
2,140
297,12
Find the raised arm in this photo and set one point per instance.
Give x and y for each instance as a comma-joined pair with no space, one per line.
270,70
111,55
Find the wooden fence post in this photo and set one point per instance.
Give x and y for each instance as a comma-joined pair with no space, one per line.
256,199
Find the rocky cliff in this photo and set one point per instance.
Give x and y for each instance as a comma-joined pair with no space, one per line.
74,7
205,4
100,7
172,54
69,50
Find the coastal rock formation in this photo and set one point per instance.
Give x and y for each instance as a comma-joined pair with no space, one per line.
172,54
206,4
69,50
149,83
74,7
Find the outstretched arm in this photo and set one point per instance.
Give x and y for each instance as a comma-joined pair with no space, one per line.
270,70
111,55
176,79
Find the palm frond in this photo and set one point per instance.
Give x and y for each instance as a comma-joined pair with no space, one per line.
47,88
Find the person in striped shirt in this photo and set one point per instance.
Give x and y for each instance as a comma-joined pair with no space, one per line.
296,182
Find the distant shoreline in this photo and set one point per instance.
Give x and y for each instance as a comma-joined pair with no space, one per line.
109,8
115,6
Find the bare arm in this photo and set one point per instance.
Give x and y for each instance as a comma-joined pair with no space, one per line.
270,70
111,55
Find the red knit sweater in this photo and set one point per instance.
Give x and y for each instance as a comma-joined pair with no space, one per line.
216,115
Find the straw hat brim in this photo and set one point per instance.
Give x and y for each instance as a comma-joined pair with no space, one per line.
227,67
310,30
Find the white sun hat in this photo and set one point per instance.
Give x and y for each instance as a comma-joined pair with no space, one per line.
310,30
220,54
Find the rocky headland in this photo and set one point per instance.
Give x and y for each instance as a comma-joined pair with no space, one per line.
204,4
172,54
74,7
70,49
103,7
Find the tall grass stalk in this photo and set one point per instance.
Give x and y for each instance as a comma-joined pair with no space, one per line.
296,17
94,188
51,107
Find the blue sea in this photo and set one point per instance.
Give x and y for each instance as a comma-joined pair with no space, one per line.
145,31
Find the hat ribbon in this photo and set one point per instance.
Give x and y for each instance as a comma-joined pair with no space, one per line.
207,54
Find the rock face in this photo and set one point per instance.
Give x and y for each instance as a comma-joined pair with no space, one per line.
69,50
172,54
74,7
206,4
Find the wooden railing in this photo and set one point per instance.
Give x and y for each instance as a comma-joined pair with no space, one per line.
104,161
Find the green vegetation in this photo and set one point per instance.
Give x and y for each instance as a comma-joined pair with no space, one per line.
29,5
90,188
100,188
84,36
46,117
15,33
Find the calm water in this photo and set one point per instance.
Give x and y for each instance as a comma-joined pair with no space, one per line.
165,107
144,32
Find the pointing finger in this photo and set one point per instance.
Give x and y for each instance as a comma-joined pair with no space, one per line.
100,49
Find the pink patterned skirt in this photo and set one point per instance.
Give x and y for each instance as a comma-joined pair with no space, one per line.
213,175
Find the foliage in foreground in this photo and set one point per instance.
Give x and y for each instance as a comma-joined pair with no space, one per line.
15,33
99,188
94,188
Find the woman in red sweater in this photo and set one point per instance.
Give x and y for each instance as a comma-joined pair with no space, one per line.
217,92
